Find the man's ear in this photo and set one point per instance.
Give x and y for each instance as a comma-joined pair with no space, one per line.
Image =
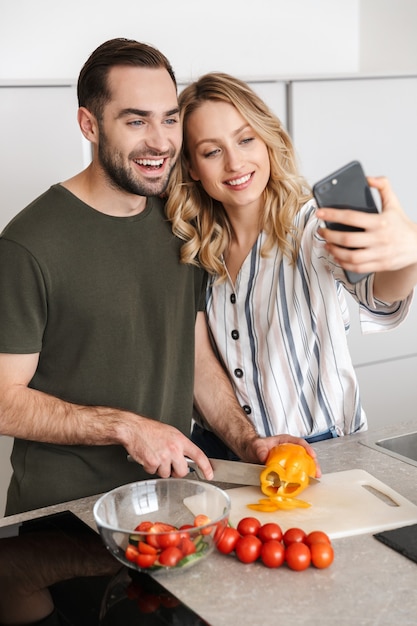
88,124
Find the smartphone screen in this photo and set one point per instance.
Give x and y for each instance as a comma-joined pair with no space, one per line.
346,188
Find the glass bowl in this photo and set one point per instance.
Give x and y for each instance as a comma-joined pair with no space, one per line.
131,521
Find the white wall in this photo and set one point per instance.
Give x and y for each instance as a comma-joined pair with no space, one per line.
388,35
50,39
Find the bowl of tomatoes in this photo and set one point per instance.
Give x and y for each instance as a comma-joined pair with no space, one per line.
164,525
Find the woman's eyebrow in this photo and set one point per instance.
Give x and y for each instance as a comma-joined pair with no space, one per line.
234,133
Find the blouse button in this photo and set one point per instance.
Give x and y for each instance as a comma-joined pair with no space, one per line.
238,373
233,298
235,334
247,409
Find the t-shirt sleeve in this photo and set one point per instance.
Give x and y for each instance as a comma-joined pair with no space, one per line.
23,308
202,299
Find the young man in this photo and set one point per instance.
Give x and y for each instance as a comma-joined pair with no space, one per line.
103,341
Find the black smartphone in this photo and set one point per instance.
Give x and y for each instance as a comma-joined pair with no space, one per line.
346,188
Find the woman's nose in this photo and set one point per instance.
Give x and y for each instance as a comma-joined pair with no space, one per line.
233,160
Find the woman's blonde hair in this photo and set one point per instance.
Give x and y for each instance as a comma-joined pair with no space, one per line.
202,221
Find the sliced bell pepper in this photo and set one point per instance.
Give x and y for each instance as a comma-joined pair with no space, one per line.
286,474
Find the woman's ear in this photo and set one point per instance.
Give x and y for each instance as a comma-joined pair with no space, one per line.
191,171
193,174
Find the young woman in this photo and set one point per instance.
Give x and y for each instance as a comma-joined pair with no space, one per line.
275,300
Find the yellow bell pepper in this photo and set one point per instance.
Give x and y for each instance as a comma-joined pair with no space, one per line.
286,474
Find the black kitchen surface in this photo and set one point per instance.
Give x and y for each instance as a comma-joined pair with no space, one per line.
88,586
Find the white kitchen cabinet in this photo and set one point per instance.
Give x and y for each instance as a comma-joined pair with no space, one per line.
388,391
41,143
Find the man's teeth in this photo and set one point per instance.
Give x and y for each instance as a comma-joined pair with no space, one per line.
239,181
150,162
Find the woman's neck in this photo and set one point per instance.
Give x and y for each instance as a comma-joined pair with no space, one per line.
245,231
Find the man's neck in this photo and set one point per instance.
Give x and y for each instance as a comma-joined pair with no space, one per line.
93,189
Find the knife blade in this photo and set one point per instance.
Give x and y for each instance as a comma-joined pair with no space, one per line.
235,472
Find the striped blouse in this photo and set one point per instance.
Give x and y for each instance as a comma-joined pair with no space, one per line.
281,333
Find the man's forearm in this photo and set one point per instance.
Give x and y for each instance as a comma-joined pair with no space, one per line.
26,413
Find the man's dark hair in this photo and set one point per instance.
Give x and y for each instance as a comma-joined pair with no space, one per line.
92,88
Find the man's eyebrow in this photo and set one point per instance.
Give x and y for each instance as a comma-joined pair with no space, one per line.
143,113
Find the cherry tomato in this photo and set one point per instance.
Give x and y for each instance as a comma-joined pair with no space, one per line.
228,540
154,538
146,548
273,553
248,548
220,526
170,556
316,536
145,560
144,526
248,526
298,556
131,553
322,554
293,535
202,520
185,527
187,546
269,531
166,540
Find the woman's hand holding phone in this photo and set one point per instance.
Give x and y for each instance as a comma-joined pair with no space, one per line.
348,194
387,241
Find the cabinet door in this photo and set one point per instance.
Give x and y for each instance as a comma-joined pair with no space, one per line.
374,121
41,143
388,391
275,96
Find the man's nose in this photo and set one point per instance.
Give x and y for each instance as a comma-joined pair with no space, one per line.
157,138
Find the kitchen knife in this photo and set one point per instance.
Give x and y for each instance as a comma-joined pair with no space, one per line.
234,472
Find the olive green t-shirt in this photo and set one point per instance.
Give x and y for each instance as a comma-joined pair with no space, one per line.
110,309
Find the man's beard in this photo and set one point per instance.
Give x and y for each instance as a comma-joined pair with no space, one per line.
120,177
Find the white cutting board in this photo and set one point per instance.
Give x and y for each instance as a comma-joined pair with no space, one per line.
340,506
